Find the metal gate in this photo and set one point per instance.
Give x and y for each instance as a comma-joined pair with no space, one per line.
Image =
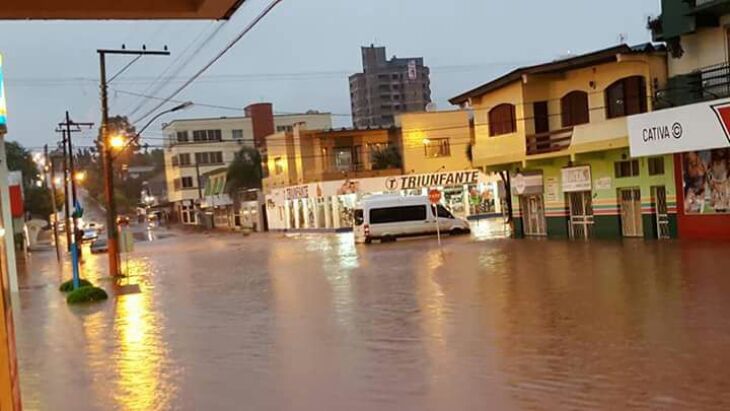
533,215
659,193
630,203
581,214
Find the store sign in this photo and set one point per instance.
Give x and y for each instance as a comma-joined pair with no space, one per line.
552,189
3,106
604,183
576,179
297,192
445,179
699,126
525,184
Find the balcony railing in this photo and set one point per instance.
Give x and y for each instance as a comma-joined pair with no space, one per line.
708,83
549,142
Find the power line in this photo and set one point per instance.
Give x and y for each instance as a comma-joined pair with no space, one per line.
217,57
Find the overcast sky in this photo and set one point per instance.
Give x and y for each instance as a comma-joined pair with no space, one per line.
298,58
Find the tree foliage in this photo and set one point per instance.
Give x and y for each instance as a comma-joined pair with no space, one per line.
244,172
387,158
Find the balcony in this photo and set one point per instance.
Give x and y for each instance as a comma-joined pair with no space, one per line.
549,142
708,83
354,171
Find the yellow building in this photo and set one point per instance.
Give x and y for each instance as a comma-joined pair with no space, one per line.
559,129
435,141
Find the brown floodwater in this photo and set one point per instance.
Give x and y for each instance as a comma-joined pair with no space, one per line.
313,322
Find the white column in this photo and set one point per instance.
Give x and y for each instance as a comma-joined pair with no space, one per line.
295,209
495,195
327,212
7,219
305,212
315,203
335,213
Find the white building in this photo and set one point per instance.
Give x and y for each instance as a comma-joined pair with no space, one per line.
194,147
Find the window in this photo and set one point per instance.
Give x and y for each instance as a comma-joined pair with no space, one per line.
502,120
207,135
628,168
287,128
574,108
174,161
212,157
176,184
626,97
182,137
656,166
237,134
443,212
278,165
437,147
187,182
184,159
397,214
343,158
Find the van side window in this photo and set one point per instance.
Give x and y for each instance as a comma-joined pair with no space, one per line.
397,214
443,212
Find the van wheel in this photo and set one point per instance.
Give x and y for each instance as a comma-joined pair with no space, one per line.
368,241
457,231
387,239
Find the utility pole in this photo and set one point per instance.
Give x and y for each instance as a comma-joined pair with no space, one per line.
108,158
67,213
49,164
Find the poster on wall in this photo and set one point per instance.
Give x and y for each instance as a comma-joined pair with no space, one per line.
706,181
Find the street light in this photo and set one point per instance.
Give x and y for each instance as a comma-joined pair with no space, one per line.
117,141
80,176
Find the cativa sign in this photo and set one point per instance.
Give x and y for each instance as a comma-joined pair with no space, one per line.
701,126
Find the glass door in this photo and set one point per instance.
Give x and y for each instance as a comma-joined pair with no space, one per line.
581,214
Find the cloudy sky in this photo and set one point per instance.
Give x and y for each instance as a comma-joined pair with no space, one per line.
298,58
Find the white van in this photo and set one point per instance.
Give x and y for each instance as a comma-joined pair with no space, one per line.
387,217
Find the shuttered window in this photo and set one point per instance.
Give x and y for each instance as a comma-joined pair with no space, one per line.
574,108
502,120
626,97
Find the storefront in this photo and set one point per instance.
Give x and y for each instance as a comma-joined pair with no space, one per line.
698,136
602,194
329,205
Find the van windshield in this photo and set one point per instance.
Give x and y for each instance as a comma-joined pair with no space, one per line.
359,217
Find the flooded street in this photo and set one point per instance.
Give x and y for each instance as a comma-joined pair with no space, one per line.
313,322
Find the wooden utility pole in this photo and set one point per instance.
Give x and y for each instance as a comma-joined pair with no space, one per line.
108,156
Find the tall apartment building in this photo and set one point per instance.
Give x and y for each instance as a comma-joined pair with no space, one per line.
197,146
387,88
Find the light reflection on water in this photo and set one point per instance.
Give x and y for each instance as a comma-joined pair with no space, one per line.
314,322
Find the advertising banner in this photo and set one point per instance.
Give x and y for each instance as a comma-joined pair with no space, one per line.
576,179
3,106
706,181
701,126
527,183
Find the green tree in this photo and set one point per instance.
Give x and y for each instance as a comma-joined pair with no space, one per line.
19,159
387,158
244,171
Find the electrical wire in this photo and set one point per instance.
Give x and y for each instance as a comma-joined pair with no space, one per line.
217,57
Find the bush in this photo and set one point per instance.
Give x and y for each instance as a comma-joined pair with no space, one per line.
67,286
86,295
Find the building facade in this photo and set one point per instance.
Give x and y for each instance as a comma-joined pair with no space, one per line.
317,177
387,88
197,146
557,134
693,110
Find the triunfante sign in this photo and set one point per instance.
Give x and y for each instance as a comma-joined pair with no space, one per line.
701,126
3,106
576,179
445,179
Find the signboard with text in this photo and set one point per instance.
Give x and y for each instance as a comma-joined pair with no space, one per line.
576,179
700,126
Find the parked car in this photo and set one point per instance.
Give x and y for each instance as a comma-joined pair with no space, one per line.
99,246
387,217
90,234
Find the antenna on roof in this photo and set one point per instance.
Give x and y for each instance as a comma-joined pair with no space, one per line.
622,37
